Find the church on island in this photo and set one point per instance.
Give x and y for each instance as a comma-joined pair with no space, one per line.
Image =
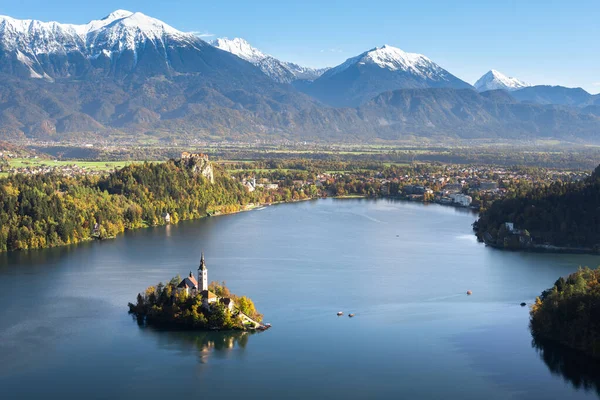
193,287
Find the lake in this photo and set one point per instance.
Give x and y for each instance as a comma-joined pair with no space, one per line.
402,268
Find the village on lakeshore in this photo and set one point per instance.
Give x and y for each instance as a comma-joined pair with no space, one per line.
193,303
454,185
467,186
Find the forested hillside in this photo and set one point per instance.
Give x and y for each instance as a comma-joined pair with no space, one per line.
560,214
39,211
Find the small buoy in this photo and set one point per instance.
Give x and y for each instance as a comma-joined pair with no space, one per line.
523,304
340,313
351,315
469,292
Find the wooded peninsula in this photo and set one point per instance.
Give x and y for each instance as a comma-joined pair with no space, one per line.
569,312
559,216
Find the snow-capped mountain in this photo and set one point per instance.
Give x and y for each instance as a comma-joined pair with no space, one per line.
279,71
128,69
393,59
494,80
117,43
381,69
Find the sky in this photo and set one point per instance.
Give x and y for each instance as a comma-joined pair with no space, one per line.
541,42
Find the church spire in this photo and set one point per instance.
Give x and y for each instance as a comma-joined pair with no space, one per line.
202,275
202,264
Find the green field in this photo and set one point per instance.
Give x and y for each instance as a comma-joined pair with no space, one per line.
95,166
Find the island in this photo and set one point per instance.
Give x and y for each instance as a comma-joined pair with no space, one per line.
191,303
569,312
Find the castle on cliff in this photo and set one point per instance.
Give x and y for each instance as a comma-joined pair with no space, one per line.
199,164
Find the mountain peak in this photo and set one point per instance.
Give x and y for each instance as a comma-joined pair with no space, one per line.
121,33
494,80
241,48
279,71
117,14
392,59
143,24
380,69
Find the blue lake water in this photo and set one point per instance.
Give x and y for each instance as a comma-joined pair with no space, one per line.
402,268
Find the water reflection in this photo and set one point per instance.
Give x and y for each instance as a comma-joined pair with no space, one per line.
580,371
39,257
207,345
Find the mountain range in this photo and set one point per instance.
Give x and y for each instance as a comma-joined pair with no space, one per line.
130,76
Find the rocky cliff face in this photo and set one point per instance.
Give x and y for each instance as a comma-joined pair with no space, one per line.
199,164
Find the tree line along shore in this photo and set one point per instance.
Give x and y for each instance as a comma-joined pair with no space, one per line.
561,216
569,312
47,210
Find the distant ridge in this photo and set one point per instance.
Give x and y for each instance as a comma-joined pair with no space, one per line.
544,94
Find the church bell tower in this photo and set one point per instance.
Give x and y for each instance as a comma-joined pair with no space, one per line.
202,275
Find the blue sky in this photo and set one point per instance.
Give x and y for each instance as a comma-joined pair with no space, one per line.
541,42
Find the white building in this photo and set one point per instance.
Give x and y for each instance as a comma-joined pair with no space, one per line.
461,199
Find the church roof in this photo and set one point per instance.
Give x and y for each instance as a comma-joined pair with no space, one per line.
189,282
208,294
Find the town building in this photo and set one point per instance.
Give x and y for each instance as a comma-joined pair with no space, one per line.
483,185
461,199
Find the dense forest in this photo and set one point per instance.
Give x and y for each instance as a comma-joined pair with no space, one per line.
559,214
165,306
569,312
39,211
48,210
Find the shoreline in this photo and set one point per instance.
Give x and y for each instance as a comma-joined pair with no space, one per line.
257,206
246,208
546,248
91,238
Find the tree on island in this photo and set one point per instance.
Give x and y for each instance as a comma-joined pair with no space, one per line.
164,305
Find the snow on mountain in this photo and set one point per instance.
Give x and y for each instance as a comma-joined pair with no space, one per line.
386,68
121,28
393,59
32,42
494,80
305,73
240,48
279,71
